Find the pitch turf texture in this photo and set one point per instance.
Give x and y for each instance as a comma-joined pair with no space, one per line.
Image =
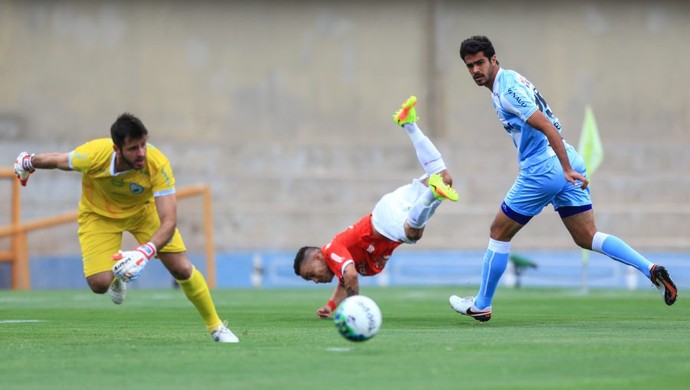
538,339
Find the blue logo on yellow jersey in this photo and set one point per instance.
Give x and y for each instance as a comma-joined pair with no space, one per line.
135,188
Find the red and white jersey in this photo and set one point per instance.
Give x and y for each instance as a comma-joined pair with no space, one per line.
361,245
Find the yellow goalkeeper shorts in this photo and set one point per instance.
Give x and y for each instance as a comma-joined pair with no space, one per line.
101,237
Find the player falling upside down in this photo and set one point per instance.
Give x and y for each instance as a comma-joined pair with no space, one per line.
128,185
551,171
399,217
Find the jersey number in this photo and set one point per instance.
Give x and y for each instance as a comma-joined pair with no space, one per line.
544,107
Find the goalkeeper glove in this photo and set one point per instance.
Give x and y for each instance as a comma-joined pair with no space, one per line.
130,263
23,167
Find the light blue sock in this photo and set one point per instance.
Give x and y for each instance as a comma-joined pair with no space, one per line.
495,263
618,250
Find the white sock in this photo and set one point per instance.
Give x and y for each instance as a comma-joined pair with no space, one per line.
422,210
427,154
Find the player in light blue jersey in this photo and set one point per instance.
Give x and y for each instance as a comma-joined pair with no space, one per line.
551,172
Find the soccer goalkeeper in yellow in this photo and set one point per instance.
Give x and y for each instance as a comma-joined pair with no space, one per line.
127,185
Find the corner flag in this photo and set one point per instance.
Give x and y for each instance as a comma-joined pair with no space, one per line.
590,147
592,152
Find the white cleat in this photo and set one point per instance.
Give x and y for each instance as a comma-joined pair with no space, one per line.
224,335
117,291
465,306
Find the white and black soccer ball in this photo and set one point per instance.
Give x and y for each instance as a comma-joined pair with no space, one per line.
358,318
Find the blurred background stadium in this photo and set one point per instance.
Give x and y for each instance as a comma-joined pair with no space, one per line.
284,109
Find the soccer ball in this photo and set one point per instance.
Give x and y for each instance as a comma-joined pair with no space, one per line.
358,318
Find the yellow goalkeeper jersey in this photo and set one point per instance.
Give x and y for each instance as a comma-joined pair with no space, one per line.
119,194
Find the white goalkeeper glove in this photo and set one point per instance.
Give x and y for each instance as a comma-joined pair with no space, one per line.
23,168
130,263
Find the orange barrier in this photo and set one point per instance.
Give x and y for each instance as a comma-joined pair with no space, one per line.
18,246
18,254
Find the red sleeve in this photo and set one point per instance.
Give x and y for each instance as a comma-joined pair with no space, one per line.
337,257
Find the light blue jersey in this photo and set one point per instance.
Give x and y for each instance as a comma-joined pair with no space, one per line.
541,180
515,100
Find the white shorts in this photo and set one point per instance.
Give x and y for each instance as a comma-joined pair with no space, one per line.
391,212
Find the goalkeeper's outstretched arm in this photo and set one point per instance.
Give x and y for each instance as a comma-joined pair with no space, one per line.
51,161
25,164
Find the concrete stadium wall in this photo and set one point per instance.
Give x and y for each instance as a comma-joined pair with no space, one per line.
285,108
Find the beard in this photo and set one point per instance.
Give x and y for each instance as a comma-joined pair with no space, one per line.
132,164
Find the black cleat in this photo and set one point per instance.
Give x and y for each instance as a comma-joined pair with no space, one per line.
664,284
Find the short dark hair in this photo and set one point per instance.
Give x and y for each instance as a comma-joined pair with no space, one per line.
300,256
476,44
127,125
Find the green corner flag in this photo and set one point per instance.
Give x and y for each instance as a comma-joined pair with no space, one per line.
590,147
592,152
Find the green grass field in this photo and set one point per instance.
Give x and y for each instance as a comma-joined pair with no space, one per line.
537,339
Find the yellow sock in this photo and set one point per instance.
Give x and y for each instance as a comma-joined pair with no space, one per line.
196,290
